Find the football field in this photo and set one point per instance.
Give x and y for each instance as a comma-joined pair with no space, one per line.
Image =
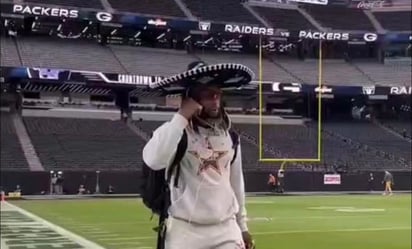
290,222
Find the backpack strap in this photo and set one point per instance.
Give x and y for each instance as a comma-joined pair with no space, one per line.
235,141
180,152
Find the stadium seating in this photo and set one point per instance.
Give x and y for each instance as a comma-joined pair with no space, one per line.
8,52
148,126
70,144
335,72
220,10
386,74
249,150
270,71
94,4
336,151
296,141
81,55
11,156
67,54
301,142
87,144
399,127
374,137
293,141
395,21
148,61
284,18
153,7
340,18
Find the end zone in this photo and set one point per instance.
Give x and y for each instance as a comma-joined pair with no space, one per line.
22,229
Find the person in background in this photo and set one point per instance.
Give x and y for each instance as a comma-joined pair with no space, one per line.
54,189
404,133
18,189
388,181
82,190
370,181
110,189
281,180
272,183
59,183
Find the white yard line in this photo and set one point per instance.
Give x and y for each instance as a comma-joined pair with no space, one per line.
74,237
95,229
140,247
259,219
127,238
96,232
125,243
336,230
116,223
286,232
100,236
3,244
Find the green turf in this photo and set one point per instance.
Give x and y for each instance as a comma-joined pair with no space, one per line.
277,222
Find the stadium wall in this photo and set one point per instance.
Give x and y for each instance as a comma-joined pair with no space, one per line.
128,182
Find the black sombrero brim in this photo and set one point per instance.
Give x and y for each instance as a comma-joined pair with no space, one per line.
225,76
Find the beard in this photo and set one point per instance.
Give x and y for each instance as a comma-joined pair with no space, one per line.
210,114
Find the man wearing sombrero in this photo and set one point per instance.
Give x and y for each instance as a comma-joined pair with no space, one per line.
207,207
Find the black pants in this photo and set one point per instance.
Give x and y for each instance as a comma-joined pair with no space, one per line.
272,188
280,186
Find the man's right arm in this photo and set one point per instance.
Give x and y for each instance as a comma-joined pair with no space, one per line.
160,150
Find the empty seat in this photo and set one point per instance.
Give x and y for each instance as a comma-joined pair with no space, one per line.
67,54
86,144
8,52
220,10
93,4
153,7
340,18
284,18
11,153
395,20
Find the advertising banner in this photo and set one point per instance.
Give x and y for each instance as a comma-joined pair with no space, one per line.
134,81
139,21
331,179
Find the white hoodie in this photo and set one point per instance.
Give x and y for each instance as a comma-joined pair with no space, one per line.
210,190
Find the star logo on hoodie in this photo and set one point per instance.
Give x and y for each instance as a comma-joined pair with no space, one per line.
209,160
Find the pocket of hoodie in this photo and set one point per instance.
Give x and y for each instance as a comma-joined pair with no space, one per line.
213,202
178,194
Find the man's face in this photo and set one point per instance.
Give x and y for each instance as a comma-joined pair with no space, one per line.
210,99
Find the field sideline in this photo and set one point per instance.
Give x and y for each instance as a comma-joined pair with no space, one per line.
292,222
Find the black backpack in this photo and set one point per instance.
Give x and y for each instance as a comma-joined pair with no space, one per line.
155,191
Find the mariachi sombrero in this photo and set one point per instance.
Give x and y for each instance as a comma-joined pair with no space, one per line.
224,75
